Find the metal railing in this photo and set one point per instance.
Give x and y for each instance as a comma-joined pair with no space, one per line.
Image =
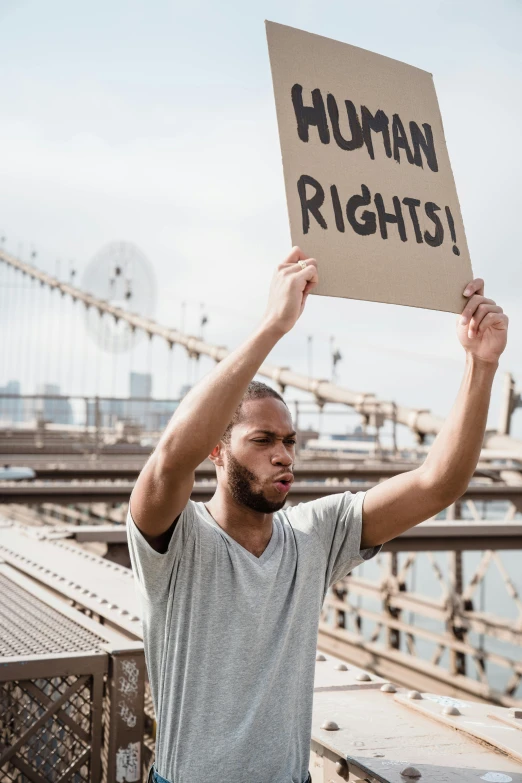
424,617
80,423
71,692
84,424
51,721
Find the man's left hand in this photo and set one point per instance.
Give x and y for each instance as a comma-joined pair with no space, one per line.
482,327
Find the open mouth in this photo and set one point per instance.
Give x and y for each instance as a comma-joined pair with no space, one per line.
283,485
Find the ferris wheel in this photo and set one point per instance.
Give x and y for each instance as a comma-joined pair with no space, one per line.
121,274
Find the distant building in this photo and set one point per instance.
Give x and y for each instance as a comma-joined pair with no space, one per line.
109,412
141,384
152,415
11,387
356,442
305,436
57,411
139,409
158,415
11,409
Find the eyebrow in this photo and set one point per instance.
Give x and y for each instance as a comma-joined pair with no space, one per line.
274,434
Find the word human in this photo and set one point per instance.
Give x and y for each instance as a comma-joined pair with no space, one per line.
394,139
365,222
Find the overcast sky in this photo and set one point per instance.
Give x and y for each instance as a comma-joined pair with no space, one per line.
154,122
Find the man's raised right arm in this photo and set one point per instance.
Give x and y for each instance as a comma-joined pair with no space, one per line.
165,484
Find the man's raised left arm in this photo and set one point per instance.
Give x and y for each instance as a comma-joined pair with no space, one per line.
403,501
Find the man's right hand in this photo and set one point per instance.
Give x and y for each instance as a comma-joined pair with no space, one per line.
289,290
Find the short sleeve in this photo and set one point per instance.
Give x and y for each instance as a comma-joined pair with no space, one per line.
337,519
153,570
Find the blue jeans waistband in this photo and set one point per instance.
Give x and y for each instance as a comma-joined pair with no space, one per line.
156,778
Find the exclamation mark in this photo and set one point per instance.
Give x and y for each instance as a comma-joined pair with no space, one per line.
451,225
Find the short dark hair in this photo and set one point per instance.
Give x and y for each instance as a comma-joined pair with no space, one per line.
255,391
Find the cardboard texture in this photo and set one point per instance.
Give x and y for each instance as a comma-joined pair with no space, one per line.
369,185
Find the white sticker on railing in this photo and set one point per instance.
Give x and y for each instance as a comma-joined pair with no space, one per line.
128,763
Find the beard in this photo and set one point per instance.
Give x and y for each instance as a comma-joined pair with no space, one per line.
241,482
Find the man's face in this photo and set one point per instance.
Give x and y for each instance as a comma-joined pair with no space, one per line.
259,459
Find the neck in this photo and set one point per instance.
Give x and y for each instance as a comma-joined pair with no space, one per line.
251,529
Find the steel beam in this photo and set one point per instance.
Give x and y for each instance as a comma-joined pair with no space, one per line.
430,536
104,588
66,469
401,667
119,491
382,735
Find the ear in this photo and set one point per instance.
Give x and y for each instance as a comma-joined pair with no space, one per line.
216,455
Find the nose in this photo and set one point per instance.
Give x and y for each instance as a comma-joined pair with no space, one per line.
282,456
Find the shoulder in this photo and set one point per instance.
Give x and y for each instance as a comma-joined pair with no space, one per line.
183,528
330,516
329,507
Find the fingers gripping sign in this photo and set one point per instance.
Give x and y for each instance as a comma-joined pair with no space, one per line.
482,327
293,280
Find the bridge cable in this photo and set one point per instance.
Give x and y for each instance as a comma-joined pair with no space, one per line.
422,422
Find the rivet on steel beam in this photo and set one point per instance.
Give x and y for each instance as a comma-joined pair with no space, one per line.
363,677
330,725
451,710
411,772
414,695
320,657
341,767
341,667
388,688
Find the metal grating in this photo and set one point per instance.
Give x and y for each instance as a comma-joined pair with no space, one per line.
31,627
46,729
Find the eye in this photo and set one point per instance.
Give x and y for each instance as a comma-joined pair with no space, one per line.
261,440
292,442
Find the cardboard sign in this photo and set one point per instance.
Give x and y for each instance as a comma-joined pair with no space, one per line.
369,184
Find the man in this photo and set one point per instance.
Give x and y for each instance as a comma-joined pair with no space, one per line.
232,590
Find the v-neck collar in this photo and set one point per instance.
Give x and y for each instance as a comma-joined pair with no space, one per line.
269,549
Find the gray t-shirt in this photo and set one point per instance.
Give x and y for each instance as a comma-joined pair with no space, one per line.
230,639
